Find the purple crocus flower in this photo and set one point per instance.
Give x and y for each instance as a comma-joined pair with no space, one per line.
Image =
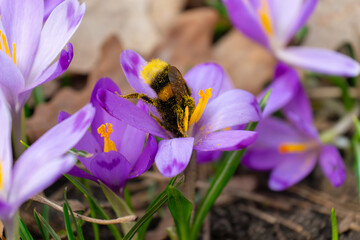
40,165
291,148
272,24
221,110
118,151
30,46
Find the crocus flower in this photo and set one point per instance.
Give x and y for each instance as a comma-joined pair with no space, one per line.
29,46
291,148
117,149
221,110
272,24
40,165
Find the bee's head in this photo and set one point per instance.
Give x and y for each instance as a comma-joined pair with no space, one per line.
152,69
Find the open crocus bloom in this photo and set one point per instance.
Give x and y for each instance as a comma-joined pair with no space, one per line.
272,23
290,149
29,46
205,132
118,151
40,165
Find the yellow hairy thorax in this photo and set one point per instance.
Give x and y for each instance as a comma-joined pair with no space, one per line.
150,71
4,46
105,132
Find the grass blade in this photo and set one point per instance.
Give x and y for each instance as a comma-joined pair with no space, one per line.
68,227
47,226
334,227
24,231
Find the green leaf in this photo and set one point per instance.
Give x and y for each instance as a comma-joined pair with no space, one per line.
44,232
143,222
24,232
68,227
223,175
96,205
79,232
46,225
180,209
38,95
334,227
119,206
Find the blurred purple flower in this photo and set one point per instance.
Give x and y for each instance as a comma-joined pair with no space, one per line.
118,148
223,110
40,165
30,46
290,149
272,24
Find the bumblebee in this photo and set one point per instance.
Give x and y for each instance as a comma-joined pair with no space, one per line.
174,102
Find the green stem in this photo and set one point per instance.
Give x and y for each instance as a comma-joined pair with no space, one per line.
230,163
18,132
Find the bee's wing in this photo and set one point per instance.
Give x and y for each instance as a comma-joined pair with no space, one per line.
178,84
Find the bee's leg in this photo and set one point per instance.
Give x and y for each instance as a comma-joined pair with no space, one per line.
180,120
158,120
141,96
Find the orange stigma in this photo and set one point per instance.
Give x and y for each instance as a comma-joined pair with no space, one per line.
292,148
6,48
105,133
265,19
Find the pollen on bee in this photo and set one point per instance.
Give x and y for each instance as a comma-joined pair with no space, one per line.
166,93
152,69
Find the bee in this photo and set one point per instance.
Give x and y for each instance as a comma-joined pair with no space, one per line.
173,102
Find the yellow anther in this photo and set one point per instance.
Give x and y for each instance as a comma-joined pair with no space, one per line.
105,133
186,119
6,47
152,69
265,19
292,148
200,107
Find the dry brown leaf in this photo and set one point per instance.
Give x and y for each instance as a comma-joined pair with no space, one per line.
138,24
69,100
249,65
335,22
189,41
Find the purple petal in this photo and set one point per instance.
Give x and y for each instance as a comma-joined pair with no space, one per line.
283,88
23,21
56,69
299,112
245,18
306,11
49,6
126,111
204,76
208,156
44,161
174,155
283,15
291,171
102,117
332,165
6,159
146,159
132,64
111,168
78,172
33,173
230,109
11,80
225,140
131,144
57,30
272,132
320,60
227,84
